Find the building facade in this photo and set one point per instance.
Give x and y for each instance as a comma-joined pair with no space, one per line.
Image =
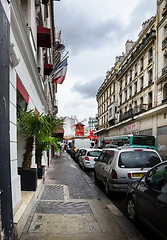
92,124
132,98
32,55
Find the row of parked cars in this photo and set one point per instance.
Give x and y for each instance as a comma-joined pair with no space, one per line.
141,173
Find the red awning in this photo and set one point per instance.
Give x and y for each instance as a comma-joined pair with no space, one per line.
22,91
48,68
43,37
61,130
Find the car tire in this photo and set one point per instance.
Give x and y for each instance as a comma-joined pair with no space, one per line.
107,190
131,210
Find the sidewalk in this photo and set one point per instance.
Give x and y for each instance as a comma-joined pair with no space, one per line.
71,207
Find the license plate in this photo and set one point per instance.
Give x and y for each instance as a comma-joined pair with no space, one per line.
137,175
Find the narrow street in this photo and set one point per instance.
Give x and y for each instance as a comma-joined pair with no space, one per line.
71,206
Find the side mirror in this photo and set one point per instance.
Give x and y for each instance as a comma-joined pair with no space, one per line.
96,160
143,182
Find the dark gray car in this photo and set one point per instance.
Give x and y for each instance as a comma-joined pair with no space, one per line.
147,200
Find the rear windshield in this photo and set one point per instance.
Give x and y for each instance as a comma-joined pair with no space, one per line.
93,153
138,159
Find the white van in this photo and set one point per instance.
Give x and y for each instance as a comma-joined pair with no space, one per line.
80,143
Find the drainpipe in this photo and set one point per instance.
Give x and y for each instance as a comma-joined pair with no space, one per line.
6,213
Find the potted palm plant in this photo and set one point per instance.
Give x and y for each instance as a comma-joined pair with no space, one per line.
29,124
35,126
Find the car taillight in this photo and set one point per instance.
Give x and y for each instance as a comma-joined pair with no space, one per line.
86,158
129,175
114,174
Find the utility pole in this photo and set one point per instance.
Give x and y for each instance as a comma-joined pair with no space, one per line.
6,214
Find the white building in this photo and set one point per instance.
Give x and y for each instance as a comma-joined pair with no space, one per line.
27,31
69,128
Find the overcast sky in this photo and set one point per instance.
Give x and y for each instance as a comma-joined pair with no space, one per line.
94,32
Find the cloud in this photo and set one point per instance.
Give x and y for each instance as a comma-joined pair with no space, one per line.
94,32
88,89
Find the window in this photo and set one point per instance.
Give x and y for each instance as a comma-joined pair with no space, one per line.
141,100
121,99
138,159
165,91
114,87
141,64
126,79
141,83
108,156
135,69
150,76
93,153
150,55
130,92
157,178
135,90
162,131
131,75
120,85
125,95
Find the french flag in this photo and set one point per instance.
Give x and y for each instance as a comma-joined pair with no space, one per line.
60,72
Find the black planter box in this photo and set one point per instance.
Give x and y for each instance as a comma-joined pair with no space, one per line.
41,172
28,179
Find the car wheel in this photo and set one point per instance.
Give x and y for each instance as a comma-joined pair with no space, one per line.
107,190
131,210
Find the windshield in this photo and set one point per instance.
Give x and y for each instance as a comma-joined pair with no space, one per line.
93,153
144,140
138,159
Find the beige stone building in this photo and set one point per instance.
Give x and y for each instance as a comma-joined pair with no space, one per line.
133,96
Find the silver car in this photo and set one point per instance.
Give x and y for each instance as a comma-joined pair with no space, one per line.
86,160
117,167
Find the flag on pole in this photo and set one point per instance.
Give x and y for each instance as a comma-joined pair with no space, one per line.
59,73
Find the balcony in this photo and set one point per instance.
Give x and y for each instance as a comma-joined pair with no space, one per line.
48,68
136,109
143,107
43,37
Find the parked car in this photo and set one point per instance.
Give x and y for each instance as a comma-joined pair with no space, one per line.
86,160
117,167
146,200
78,153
